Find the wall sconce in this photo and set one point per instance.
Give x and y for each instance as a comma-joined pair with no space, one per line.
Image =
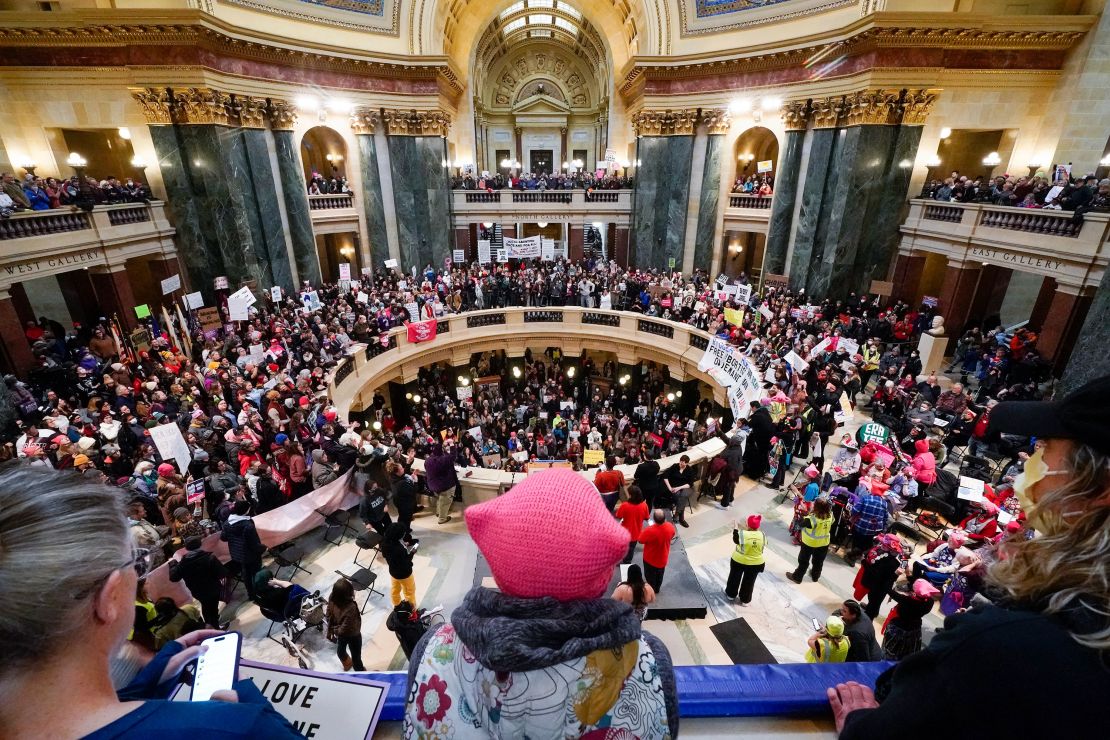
29,166
76,160
124,133
992,159
933,161
334,158
138,162
487,224
541,224
570,371
1105,161
577,163
566,165
945,133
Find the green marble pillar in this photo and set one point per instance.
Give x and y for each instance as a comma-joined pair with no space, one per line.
809,215
782,208
661,195
295,195
709,204
372,200
422,199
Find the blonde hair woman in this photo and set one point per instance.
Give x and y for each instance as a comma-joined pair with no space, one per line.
1046,641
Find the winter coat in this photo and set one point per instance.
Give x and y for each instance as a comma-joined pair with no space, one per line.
242,540
924,464
322,472
439,471
201,572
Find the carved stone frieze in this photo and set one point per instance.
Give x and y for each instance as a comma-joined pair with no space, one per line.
917,105
716,120
872,108
416,123
283,115
826,112
202,105
365,121
156,104
795,114
665,123
250,112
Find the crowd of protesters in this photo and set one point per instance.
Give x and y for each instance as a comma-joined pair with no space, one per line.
510,180
1081,194
759,185
35,193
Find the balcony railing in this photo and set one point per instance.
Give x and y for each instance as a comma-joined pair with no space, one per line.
43,223
330,202
749,201
508,202
99,223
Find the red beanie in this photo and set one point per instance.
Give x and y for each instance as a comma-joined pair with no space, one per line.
754,521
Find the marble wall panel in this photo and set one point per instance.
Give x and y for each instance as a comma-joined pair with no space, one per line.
782,208
295,196
421,198
661,199
270,236
813,198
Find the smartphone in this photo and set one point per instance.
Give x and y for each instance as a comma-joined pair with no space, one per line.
218,666
817,626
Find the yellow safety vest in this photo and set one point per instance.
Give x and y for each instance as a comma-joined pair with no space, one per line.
749,550
829,653
818,534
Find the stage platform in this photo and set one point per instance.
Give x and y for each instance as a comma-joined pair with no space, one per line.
680,598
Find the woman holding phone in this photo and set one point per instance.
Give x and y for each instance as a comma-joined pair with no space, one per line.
57,528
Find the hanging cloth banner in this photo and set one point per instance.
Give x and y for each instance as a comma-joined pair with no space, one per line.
523,249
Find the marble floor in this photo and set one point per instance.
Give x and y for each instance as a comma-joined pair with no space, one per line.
780,614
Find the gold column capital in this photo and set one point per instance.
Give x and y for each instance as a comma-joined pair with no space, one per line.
250,112
716,120
282,115
648,123
202,105
665,123
156,104
826,112
917,105
364,121
872,108
795,114
416,123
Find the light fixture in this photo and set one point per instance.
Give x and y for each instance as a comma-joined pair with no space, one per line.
333,158
578,163
487,224
124,133
377,426
29,165
516,372
746,157
992,159
945,132
1105,161
307,102
623,380
461,378
566,165
597,224
625,164
416,398
570,371
541,224
465,382
637,163
443,163
76,160
678,394
408,396
905,164
138,162
740,105
670,397
933,161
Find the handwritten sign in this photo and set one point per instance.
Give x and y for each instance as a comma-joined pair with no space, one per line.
171,284
520,249
483,251
593,457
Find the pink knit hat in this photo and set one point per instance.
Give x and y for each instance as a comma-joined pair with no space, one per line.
531,553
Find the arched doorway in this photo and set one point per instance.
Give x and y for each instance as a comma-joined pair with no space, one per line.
756,154
324,151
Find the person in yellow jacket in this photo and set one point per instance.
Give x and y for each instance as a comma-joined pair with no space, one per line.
816,528
828,645
748,560
869,364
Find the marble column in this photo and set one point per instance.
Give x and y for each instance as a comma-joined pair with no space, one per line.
957,293
372,187
22,303
661,196
422,199
15,352
248,162
295,196
709,205
113,290
1062,325
1042,304
812,198
1089,359
787,176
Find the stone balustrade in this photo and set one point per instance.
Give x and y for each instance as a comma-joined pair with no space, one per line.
330,201
333,213
631,336
1047,242
541,205
747,213
749,201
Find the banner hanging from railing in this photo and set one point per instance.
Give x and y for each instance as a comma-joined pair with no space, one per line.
523,249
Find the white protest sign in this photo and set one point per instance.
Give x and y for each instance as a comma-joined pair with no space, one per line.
458,256
256,355
311,300
414,311
194,300
850,346
483,251
796,362
362,297
547,250
464,392
522,249
171,445
743,293
475,433
971,489
275,294
502,256
320,705
390,264
844,415
766,312
344,270
818,348
560,250
238,303
171,284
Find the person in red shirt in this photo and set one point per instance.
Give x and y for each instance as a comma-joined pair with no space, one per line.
657,548
609,482
633,513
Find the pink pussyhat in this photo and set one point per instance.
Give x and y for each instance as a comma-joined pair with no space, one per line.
922,589
531,555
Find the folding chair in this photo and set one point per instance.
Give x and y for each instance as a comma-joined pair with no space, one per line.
339,519
286,556
368,541
362,579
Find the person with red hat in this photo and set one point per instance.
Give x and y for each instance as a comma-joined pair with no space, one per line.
748,560
656,539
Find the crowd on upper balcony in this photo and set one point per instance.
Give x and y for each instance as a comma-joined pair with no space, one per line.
762,186
334,185
540,181
35,193
1080,195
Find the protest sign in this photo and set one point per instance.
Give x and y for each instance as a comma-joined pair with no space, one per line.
502,256
458,255
521,249
593,457
209,318
547,250
194,300
311,300
743,293
819,348
390,264
475,433
142,311
344,270
194,491
171,445
275,294
220,283
171,284
734,317
766,312
464,392
362,298
483,251
796,361
850,346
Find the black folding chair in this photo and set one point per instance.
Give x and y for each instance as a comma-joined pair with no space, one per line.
371,541
339,519
288,556
362,579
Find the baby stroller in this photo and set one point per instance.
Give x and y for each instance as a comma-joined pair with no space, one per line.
841,499
410,624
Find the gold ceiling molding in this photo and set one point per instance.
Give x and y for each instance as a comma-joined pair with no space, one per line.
193,34
250,112
364,121
795,114
716,120
282,115
416,123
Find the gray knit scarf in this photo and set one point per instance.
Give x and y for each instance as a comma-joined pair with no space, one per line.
511,634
